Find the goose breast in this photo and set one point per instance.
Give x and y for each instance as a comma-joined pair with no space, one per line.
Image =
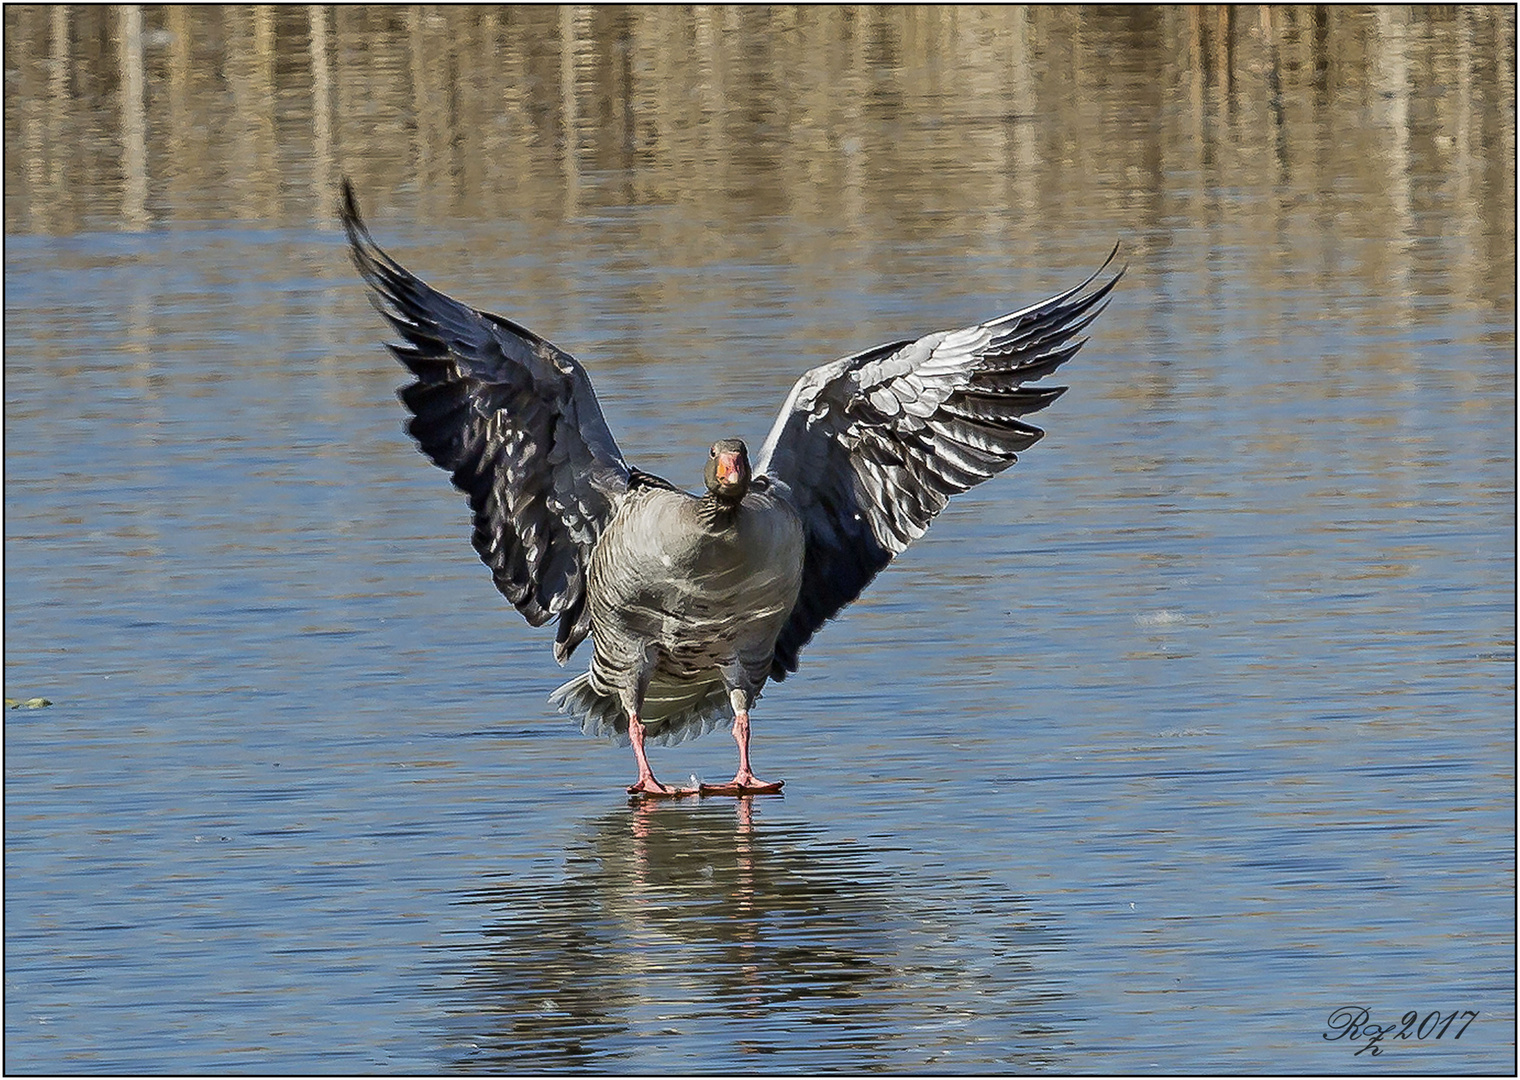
704,593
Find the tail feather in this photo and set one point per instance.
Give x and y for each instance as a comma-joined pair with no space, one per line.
673,712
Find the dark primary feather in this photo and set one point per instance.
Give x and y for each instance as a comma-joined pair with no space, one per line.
516,423
873,445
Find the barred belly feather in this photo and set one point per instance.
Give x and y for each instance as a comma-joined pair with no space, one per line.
686,599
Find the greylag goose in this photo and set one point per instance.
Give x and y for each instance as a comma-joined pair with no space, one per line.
693,601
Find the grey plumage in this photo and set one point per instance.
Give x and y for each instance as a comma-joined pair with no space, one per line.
515,422
873,445
685,606
693,602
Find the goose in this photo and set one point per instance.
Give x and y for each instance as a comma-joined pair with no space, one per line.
694,602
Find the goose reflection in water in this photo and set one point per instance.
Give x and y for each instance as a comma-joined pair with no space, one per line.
681,937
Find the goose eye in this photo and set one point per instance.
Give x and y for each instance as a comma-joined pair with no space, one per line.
713,452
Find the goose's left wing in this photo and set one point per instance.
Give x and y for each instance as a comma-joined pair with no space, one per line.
873,445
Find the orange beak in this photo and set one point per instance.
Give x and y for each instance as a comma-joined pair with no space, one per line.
728,468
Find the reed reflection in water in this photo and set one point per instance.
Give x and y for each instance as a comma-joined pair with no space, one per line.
764,941
879,127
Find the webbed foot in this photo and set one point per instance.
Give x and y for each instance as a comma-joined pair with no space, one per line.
743,783
650,788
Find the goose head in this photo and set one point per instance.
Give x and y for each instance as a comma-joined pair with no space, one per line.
728,472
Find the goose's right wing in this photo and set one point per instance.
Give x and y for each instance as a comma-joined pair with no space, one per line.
515,422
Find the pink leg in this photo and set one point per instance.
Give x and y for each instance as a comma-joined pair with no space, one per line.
646,784
744,781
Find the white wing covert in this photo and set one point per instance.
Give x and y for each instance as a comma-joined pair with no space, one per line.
516,423
873,445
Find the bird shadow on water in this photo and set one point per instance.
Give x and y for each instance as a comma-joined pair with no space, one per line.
699,936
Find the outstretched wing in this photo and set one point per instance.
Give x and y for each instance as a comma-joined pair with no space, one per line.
873,445
516,423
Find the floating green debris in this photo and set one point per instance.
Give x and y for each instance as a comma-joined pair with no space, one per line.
29,703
